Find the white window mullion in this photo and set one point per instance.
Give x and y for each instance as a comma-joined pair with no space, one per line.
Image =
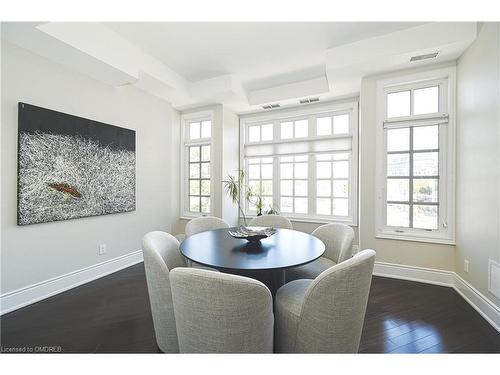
276,182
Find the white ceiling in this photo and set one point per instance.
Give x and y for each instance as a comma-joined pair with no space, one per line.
251,51
241,65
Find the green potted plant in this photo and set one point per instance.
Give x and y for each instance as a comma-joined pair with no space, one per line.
259,203
272,211
233,187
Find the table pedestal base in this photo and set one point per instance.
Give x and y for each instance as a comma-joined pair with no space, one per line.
272,279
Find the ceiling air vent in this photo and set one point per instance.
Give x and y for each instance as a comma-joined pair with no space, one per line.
271,106
309,100
424,57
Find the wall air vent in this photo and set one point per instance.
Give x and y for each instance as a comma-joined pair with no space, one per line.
309,100
424,57
271,106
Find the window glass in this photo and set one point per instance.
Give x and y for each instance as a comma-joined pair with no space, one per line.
426,100
398,215
205,153
323,206
341,188
332,174
294,188
206,129
254,133
425,164
260,182
286,130
398,104
199,179
341,124
398,139
426,137
398,164
421,183
301,128
425,217
324,126
267,132
340,207
194,130
323,188
425,190
398,189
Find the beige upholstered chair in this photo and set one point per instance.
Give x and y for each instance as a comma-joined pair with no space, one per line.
161,255
325,315
204,223
338,240
180,237
221,313
275,221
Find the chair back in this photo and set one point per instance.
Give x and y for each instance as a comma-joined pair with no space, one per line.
275,221
221,313
204,223
161,254
338,239
334,307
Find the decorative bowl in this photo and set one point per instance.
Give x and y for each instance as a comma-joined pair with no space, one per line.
252,234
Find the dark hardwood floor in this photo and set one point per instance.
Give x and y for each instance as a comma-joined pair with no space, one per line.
112,315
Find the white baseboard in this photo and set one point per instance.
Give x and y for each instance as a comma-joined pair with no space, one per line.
33,293
420,274
476,299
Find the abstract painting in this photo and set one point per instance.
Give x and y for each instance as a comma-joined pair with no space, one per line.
71,167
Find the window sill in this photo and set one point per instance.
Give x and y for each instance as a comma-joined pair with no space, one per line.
415,238
311,220
192,216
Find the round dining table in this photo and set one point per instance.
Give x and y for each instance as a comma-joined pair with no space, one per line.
265,260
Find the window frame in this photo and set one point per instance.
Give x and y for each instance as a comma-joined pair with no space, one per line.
445,119
186,120
311,113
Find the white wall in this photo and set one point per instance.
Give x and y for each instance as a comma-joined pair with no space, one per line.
478,158
410,253
34,253
230,162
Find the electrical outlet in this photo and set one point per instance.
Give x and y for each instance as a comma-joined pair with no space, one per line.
355,249
466,265
102,249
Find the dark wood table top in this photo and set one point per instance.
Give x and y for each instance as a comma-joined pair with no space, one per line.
287,248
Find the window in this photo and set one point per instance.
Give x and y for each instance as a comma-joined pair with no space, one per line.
332,184
413,177
260,181
199,178
293,184
332,125
294,129
197,182
258,133
416,133
306,167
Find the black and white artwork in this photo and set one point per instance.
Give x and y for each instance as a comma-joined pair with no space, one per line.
71,167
